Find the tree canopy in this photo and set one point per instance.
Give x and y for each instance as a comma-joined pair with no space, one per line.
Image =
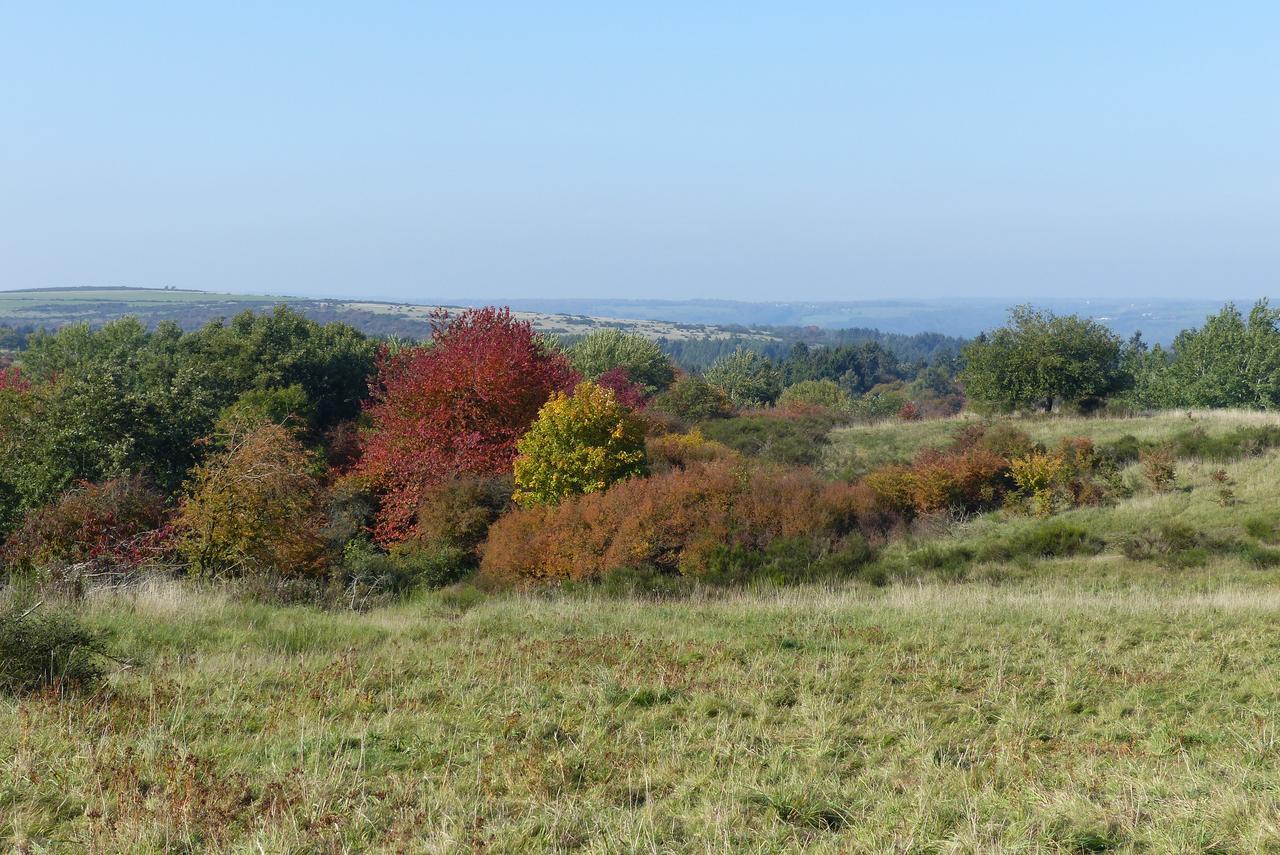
1041,360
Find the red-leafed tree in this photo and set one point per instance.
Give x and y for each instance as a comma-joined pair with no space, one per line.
618,381
455,407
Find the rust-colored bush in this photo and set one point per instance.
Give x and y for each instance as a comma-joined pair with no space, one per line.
672,521
971,479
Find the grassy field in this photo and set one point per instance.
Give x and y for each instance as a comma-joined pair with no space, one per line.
896,442
1108,702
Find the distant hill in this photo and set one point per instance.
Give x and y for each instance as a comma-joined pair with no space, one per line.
1158,320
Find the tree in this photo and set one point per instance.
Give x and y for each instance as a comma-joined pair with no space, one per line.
1043,360
749,379
579,444
1232,361
453,408
254,506
607,349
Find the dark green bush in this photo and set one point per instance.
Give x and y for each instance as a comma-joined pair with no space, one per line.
1264,529
47,647
1054,539
1171,544
788,440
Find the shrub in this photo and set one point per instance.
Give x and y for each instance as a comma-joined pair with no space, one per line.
671,521
457,407
288,406
799,440
642,360
11,378
579,444
1056,539
937,480
42,648
909,412
1264,529
1158,468
117,523
1040,475
1172,544
457,514
691,399
370,572
681,450
815,393
629,394
254,507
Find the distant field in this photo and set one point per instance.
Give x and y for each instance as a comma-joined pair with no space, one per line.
1116,701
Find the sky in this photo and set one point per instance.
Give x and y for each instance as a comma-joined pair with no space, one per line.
738,150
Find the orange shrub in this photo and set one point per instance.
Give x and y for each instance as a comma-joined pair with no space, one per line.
672,520
972,479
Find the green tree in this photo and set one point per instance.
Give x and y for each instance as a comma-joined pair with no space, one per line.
749,379
603,350
1042,360
1232,361
579,444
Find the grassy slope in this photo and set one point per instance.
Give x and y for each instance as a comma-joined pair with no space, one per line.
1094,704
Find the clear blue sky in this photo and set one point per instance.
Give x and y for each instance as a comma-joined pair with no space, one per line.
743,150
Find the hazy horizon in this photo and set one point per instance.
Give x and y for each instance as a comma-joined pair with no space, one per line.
406,152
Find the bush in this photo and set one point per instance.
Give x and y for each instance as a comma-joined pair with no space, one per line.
457,407
457,514
747,377
815,393
681,450
371,572
254,507
799,440
1172,544
672,522
1055,539
118,523
46,648
606,350
578,444
973,479
691,399
1158,468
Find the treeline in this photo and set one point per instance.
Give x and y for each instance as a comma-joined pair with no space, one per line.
310,460
1047,362
910,351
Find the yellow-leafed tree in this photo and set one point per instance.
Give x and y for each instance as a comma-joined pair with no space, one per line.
580,443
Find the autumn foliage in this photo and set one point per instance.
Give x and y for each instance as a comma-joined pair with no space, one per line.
580,443
456,407
121,522
672,521
254,506
11,378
